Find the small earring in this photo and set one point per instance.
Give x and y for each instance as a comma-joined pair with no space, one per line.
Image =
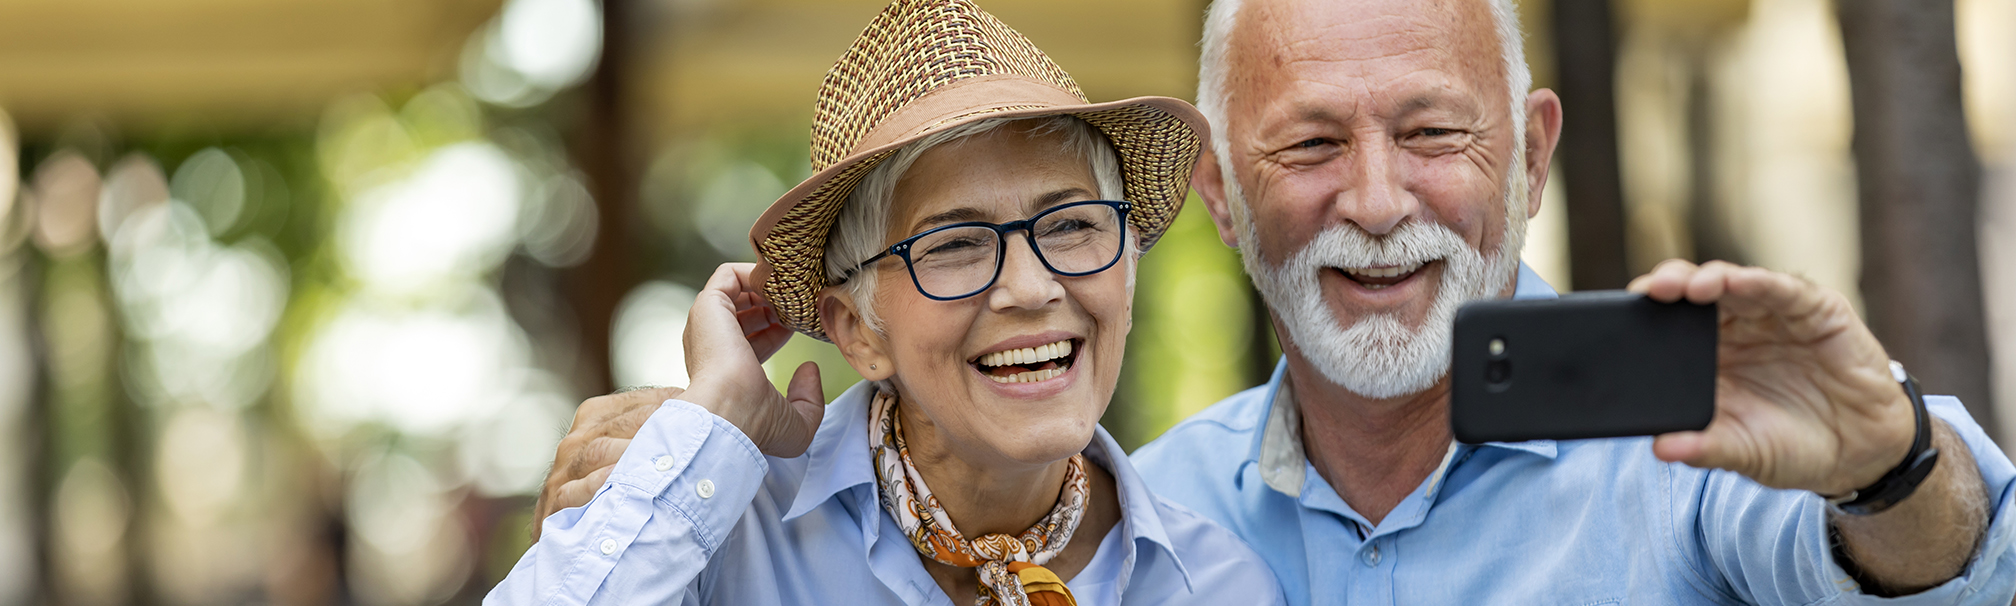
871,367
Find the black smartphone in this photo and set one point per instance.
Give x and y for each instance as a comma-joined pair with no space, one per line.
1587,365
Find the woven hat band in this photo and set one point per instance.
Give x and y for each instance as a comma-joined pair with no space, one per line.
963,99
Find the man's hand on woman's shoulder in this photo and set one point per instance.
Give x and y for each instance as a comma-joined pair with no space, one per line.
602,429
729,333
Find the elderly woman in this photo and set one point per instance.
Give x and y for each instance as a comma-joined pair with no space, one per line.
964,246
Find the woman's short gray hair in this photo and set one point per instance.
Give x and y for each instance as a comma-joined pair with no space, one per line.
864,221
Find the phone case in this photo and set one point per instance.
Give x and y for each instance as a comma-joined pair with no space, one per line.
1587,365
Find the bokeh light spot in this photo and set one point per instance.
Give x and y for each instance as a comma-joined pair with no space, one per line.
647,336
66,198
213,184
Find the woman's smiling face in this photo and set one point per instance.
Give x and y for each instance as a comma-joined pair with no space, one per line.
969,388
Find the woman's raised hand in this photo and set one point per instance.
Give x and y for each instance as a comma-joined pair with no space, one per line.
729,334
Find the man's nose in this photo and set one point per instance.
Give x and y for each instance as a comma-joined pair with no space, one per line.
1024,282
1376,196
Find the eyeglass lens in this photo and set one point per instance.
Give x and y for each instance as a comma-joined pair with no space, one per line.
960,261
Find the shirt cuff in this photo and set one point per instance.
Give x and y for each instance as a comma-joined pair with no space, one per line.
696,464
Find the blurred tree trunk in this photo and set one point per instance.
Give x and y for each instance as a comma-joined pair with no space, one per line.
601,146
1707,221
1586,53
37,425
1920,193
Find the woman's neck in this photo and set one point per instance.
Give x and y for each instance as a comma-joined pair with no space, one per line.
982,497
980,501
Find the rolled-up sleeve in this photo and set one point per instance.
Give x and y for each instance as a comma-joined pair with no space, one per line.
648,533
1772,545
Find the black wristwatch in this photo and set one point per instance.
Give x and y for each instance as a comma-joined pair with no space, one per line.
1893,487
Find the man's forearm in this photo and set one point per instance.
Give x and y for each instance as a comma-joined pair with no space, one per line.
1926,539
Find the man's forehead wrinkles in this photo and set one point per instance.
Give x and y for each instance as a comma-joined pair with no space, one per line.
1424,83
1353,41
1335,52
1281,35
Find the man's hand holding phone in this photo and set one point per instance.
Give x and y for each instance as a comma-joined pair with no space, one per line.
1804,397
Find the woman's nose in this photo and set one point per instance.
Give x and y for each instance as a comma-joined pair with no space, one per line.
1024,282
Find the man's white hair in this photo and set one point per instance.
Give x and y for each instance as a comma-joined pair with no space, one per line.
1213,65
864,222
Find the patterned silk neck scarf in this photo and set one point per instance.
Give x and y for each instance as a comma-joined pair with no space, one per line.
1010,567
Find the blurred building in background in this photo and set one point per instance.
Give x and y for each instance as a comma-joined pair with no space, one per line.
296,298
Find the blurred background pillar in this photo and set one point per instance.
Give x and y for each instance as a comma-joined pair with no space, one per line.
1920,186
603,147
1586,53
1988,64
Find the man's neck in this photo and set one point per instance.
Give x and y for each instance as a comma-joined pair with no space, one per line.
1373,452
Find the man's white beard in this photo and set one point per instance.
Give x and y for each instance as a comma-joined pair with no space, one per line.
1380,356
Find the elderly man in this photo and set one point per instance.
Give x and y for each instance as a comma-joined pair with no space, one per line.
1375,161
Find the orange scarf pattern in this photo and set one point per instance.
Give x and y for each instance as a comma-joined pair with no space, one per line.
1010,567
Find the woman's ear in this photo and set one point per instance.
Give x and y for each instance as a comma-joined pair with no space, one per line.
864,348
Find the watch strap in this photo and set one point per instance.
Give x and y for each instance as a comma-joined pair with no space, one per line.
1903,479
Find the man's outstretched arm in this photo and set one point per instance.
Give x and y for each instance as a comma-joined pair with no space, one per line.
1925,539
1805,400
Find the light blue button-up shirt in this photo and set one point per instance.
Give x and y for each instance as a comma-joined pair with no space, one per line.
694,514
1580,522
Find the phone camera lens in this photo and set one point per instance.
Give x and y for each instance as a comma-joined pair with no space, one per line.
1498,373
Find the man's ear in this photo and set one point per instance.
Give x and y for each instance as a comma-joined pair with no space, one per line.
864,349
1209,182
1543,132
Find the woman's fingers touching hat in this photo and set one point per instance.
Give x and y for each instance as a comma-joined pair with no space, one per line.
715,334
761,327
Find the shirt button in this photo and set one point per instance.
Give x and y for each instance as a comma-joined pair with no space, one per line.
1370,556
663,463
705,488
608,546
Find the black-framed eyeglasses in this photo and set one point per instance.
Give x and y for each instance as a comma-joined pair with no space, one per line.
960,260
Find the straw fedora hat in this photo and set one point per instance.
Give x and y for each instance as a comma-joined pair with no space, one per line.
924,66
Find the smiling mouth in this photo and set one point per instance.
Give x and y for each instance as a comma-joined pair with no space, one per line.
1029,364
1377,278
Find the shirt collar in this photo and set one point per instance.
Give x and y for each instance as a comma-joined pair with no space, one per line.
838,457
1138,516
1277,447
838,460
1530,286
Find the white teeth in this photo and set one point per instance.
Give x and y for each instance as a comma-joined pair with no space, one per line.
1029,377
1027,355
1383,272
